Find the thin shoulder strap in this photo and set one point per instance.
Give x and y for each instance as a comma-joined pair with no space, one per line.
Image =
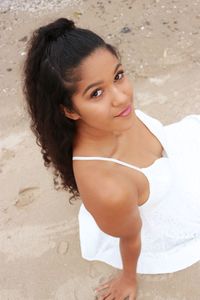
106,159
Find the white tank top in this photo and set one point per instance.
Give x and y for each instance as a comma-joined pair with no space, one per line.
167,239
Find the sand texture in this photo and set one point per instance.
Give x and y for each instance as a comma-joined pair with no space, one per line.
39,243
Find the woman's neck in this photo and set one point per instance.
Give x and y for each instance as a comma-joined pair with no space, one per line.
107,144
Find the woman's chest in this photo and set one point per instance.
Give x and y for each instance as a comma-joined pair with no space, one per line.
140,148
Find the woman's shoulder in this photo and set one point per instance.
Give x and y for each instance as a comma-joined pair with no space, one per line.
112,200
99,181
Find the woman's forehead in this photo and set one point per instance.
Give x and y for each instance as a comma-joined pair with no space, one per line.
96,66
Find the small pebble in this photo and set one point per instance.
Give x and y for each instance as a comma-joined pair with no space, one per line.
125,29
24,39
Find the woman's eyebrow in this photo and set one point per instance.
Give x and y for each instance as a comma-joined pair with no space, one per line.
99,82
91,85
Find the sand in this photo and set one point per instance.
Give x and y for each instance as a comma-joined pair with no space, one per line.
39,243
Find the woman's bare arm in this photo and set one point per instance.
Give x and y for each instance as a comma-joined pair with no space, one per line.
114,206
130,250
118,215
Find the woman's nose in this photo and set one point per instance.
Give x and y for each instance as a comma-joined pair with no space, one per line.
118,97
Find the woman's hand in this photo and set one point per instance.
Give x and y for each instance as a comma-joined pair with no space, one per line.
121,287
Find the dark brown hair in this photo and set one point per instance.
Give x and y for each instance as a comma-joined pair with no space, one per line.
54,52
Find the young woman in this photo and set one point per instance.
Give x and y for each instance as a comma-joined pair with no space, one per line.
138,180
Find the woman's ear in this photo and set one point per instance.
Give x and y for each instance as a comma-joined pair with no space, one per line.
69,114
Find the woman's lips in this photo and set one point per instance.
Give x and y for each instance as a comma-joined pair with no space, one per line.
125,112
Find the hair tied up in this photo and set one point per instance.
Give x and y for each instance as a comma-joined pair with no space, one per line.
56,29
51,73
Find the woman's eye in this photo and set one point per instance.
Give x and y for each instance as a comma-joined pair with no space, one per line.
119,75
96,93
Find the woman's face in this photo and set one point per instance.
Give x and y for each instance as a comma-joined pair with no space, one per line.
102,93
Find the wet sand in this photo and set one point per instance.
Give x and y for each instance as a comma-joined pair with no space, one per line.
39,243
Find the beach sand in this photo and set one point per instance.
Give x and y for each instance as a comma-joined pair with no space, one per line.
39,243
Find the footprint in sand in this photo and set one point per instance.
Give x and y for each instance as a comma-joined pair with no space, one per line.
7,154
26,196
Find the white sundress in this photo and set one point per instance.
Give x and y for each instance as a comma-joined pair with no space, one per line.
170,232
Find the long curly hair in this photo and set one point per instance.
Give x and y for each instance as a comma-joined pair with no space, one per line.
54,53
